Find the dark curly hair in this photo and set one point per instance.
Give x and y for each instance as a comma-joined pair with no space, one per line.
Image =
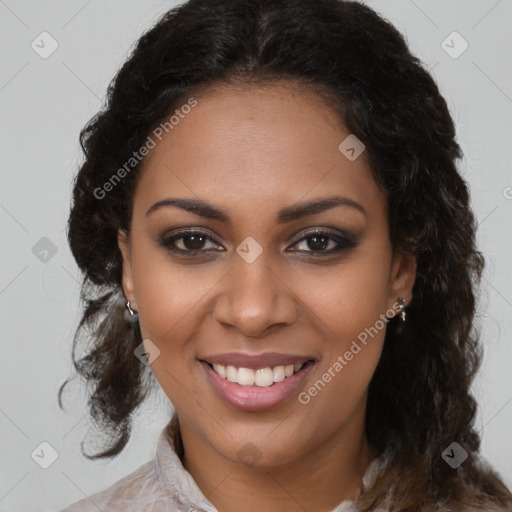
419,398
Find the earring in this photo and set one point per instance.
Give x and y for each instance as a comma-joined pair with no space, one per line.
401,306
132,315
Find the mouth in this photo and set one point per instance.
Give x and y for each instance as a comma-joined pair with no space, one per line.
256,386
262,377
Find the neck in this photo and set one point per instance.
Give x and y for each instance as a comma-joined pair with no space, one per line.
318,481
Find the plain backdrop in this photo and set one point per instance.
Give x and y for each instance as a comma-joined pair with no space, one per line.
46,101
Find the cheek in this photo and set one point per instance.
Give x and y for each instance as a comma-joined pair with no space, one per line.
167,292
349,305
349,297
171,302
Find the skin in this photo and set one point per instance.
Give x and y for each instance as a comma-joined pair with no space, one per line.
250,152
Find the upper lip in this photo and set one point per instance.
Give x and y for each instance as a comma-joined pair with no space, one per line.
265,360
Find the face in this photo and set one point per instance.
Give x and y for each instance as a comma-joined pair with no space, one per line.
256,274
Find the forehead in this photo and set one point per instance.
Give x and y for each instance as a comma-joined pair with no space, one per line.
254,146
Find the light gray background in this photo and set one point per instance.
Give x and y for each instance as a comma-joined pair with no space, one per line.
44,104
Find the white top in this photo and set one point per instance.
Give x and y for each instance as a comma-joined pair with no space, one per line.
164,485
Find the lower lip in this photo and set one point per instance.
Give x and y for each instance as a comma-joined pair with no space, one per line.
256,398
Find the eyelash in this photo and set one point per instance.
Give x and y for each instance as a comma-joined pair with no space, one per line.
344,242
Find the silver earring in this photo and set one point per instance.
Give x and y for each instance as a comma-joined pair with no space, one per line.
132,315
401,305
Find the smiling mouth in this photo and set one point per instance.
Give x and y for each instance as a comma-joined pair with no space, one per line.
261,377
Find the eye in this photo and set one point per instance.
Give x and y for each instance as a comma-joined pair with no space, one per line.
189,242
319,240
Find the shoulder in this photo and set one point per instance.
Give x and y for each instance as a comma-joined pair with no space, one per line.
139,490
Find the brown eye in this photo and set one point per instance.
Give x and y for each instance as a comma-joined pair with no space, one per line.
189,242
193,242
316,242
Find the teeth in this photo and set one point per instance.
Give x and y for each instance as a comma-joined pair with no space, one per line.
262,377
232,374
288,370
220,369
246,376
279,373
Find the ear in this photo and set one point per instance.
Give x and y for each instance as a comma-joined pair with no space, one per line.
123,241
401,278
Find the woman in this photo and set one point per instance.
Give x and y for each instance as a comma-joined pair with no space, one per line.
271,224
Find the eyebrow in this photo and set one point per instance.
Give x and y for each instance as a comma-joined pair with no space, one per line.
286,214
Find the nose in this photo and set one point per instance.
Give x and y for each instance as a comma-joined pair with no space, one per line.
255,298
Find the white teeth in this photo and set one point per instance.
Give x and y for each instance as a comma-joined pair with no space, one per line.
220,369
262,377
232,374
278,373
246,377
